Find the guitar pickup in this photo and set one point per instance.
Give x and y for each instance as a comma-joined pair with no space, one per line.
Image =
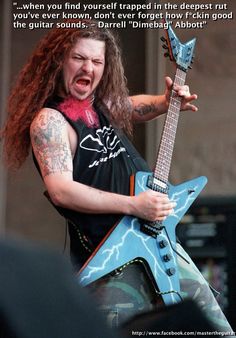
156,184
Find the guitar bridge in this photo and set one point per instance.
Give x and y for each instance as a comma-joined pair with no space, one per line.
151,228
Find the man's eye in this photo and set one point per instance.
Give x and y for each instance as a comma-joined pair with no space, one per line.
77,57
97,62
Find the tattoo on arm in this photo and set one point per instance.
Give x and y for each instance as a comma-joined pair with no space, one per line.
144,109
50,147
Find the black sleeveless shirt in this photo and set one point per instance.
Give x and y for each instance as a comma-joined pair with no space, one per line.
104,159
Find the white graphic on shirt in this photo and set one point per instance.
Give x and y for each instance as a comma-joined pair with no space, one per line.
105,142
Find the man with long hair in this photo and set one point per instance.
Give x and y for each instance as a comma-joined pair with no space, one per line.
71,104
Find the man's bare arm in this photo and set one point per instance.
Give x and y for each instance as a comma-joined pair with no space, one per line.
148,107
50,141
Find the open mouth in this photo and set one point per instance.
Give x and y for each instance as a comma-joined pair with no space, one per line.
83,82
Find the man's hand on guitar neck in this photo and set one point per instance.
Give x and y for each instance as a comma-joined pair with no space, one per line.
148,107
182,91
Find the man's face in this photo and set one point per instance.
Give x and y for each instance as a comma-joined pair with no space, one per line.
83,68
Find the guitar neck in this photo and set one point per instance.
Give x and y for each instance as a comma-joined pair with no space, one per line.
163,162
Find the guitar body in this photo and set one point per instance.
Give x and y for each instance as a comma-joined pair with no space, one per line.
127,242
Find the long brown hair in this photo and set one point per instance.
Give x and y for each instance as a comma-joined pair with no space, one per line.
39,78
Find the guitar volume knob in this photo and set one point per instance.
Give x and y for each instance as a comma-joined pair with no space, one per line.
167,257
170,271
163,243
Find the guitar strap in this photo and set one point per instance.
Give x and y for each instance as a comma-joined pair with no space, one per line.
81,242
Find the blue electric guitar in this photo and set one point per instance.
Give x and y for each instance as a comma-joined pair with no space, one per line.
153,243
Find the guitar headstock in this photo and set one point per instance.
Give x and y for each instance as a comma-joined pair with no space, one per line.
181,54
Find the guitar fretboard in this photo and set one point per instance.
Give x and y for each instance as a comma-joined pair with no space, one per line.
166,147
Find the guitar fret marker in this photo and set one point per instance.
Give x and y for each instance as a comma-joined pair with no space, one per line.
170,126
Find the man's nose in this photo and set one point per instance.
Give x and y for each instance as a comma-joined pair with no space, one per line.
87,66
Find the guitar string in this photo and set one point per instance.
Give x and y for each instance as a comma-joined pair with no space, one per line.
167,142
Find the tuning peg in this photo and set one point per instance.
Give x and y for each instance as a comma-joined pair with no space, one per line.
163,39
165,47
